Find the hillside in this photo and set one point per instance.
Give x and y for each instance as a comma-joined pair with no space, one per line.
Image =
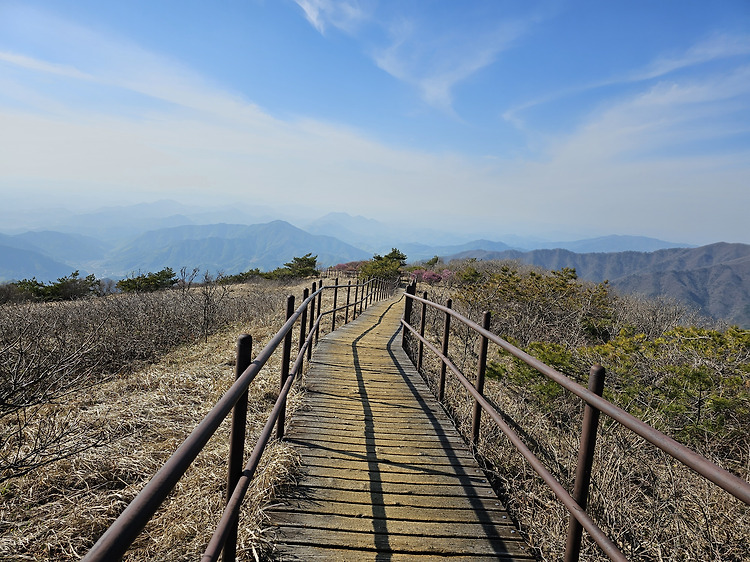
613,243
117,241
713,278
20,264
226,247
230,248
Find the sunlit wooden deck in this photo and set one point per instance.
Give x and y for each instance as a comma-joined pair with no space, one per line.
386,475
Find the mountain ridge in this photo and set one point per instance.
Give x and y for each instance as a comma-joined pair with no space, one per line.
714,278
151,236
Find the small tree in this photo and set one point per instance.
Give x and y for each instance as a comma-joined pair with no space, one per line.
72,287
148,282
387,266
306,266
66,288
433,262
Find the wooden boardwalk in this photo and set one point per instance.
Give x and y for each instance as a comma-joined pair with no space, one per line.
386,476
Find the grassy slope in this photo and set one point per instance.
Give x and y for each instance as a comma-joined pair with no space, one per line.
58,512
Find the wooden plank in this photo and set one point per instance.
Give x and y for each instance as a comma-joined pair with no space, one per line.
382,541
390,512
304,553
437,477
418,498
443,489
364,524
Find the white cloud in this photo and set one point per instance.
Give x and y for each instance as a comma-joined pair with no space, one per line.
346,15
173,134
42,66
718,47
644,163
431,59
434,61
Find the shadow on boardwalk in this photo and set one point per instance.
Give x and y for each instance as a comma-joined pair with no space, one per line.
386,476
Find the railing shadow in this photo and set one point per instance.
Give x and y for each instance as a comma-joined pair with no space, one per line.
425,411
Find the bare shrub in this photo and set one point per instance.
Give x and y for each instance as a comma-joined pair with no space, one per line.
137,415
685,380
50,350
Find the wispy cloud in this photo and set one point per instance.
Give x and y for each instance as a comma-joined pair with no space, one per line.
717,47
345,15
144,125
435,62
42,66
427,54
649,155
720,46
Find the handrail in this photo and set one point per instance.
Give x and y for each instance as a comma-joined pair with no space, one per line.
734,485
116,540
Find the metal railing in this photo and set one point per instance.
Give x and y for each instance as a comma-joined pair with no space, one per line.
115,542
594,404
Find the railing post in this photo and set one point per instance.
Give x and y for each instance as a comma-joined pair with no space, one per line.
317,315
311,306
303,321
476,419
237,439
420,355
335,299
443,366
408,303
348,295
286,354
356,299
585,462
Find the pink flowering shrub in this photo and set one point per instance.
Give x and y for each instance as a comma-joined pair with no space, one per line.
431,277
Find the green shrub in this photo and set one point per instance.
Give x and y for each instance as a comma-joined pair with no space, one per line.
148,282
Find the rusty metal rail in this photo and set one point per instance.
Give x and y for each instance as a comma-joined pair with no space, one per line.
575,503
115,542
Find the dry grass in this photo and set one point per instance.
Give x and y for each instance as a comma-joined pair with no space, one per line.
653,507
57,512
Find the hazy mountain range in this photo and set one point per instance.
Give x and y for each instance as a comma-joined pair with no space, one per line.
117,241
714,278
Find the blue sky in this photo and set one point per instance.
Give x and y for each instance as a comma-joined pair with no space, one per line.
556,118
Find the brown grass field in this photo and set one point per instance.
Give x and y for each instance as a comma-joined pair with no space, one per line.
139,418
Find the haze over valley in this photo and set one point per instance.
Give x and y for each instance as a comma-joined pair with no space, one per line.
116,242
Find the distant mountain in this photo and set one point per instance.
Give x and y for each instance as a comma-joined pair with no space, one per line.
608,244
225,247
118,223
362,232
63,246
18,263
116,241
722,290
45,255
713,278
615,243
421,252
380,237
